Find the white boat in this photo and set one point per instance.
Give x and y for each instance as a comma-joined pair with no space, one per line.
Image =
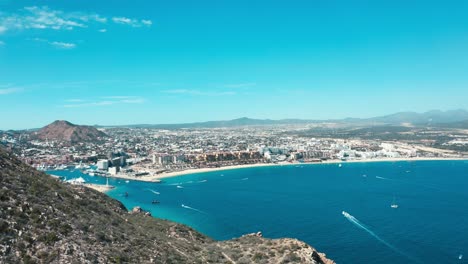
460,257
80,166
340,165
78,181
394,205
62,167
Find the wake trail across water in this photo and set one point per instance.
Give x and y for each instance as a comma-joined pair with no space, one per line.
191,208
356,222
381,178
153,191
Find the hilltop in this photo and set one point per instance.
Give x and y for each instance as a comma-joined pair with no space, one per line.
43,220
62,130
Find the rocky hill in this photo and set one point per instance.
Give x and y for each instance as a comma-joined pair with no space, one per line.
61,130
43,220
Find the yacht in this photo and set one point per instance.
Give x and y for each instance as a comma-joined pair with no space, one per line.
394,205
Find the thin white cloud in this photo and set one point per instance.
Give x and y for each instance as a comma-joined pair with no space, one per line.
180,91
57,44
147,22
45,18
10,91
35,17
63,45
196,92
121,97
133,101
92,17
132,22
123,20
240,85
39,39
112,100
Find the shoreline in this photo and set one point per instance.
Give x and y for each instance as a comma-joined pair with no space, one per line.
159,177
99,187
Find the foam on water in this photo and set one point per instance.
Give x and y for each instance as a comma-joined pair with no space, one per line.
153,191
191,208
356,222
283,192
381,178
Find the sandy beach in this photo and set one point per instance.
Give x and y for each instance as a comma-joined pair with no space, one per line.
99,187
159,177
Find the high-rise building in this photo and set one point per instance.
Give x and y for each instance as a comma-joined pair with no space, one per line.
102,165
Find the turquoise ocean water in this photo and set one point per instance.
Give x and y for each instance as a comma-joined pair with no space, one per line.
307,202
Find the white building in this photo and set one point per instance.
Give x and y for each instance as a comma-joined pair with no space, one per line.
102,165
114,170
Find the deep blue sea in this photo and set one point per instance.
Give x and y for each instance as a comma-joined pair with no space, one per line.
306,202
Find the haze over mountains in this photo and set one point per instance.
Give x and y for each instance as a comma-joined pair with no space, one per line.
67,131
451,118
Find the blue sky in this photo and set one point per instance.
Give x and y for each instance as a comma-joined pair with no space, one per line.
127,62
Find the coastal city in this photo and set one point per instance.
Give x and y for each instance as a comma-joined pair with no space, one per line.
152,154
234,132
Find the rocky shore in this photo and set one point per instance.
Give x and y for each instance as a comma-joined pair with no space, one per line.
43,220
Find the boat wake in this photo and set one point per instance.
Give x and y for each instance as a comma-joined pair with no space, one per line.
381,178
153,191
203,181
356,222
245,179
179,187
193,209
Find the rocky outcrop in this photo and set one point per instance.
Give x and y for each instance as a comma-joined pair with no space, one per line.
43,220
65,131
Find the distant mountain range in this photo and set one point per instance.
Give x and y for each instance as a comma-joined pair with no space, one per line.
244,121
427,118
452,118
64,130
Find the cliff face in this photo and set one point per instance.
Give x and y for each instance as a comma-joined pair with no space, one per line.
61,130
43,220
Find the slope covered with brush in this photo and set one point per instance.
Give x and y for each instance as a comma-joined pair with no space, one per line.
43,220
